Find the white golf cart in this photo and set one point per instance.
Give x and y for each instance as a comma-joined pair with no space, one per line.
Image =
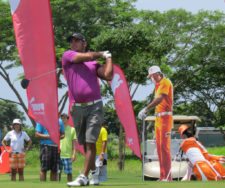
151,169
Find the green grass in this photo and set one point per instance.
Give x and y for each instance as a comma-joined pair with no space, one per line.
131,177
125,179
217,150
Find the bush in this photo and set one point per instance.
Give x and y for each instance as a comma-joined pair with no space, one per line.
31,132
32,157
112,146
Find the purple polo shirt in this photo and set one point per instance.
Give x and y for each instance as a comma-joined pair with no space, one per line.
81,78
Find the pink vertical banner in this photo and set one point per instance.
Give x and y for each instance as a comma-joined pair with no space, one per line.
32,22
124,109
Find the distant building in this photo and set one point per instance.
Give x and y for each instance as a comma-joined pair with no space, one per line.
210,136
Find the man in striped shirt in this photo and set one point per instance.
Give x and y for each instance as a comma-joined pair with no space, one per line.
163,104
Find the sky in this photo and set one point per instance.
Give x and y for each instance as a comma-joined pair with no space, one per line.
160,5
189,5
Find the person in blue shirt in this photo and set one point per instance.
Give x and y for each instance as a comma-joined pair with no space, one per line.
49,153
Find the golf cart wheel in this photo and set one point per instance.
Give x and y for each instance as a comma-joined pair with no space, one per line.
146,178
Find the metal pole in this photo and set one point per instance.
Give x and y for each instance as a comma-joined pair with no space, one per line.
143,148
179,165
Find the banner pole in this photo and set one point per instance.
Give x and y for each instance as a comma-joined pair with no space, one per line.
143,148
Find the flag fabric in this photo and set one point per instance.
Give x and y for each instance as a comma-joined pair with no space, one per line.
124,109
4,160
33,28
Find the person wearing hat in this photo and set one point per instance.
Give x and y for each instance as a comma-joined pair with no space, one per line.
17,139
67,148
203,165
163,104
82,71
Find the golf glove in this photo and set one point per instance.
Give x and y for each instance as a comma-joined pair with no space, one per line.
98,162
107,54
142,114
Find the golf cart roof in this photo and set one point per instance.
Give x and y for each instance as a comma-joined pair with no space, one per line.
182,118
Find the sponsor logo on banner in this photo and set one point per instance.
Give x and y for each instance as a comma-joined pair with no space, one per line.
130,141
116,82
37,108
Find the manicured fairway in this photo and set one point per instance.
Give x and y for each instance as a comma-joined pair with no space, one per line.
129,178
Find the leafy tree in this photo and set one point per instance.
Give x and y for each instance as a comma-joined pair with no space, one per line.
7,41
201,69
8,53
8,112
188,47
87,16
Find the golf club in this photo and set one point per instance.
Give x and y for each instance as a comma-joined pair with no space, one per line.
170,172
25,82
143,143
181,155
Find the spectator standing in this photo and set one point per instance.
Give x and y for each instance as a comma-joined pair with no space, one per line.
101,155
17,139
49,152
67,147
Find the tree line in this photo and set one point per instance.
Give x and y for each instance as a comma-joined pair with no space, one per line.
190,49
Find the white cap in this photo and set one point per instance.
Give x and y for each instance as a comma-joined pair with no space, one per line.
17,121
153,69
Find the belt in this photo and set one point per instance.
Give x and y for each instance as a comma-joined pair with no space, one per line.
87,103
15,152
163,114
48,145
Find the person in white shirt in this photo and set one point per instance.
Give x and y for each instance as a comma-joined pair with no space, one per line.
17,139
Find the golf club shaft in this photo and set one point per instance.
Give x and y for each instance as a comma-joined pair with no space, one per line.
44,74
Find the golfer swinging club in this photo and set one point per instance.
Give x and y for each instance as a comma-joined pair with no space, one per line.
82,72
163,103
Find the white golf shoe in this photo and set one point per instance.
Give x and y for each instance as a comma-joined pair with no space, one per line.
94,177
81,180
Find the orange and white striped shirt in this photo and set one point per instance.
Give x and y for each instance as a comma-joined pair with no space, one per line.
165,87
